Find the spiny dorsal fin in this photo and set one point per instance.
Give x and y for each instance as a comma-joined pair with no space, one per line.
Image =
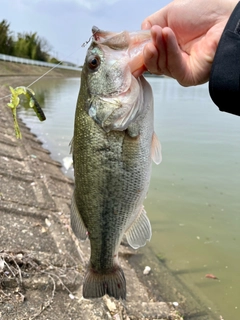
140,231
77,223
156,149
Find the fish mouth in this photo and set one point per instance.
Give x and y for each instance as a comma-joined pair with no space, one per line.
132,42
138,42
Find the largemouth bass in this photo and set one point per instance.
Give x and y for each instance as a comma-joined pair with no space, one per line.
113,146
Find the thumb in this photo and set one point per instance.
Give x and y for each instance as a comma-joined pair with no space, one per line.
158,18
146,25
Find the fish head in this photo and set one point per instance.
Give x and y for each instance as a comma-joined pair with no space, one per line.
110,62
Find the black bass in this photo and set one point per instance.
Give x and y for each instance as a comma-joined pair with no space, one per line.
113,146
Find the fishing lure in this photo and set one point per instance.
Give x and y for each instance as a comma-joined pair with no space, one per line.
33,103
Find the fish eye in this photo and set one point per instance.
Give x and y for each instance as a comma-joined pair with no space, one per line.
93,62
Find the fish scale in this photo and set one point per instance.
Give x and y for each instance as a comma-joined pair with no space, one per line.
112,154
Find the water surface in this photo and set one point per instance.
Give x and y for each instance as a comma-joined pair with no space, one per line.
193,201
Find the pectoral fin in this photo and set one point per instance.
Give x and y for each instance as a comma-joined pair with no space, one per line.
77,223
156,149
140,231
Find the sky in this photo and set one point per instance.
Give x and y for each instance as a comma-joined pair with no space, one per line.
67,24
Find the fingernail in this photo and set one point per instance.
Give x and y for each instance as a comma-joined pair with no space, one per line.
146,25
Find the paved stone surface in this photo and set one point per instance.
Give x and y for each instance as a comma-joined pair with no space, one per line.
41,262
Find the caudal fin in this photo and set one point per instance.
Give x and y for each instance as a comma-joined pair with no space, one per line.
97,285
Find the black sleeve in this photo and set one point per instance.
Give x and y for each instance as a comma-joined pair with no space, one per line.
224,81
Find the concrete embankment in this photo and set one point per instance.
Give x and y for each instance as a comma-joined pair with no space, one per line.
41,262
16,69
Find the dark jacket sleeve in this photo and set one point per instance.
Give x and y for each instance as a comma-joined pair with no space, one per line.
224,81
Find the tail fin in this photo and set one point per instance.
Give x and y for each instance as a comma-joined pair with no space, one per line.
97,285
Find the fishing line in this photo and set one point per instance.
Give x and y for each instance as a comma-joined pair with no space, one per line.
86,42
33,103
44,74
9,95
83,45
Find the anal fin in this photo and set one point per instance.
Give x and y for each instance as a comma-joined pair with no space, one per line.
140,231
77,223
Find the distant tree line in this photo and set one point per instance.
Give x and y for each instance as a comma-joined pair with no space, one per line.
25,45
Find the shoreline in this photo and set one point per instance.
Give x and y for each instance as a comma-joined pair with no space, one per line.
144,293
42,264
24,70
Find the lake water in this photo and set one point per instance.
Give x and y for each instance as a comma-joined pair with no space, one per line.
193,202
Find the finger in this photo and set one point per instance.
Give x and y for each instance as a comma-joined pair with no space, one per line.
137,73
155,53
150,55
158,18
158,41
177,60
146,25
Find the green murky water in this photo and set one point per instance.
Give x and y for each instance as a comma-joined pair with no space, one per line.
193,202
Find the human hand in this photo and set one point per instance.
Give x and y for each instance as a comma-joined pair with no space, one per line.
185,36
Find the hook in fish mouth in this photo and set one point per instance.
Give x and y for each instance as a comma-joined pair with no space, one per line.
102,35
94,31
124,40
